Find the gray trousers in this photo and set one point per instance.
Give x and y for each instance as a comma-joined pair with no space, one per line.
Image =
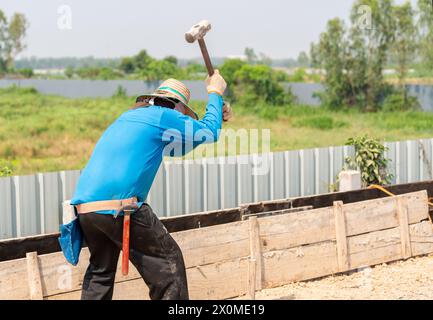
153,252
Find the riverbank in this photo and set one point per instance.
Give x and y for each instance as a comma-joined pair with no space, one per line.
40,133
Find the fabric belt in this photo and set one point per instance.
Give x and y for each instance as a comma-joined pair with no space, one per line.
117,205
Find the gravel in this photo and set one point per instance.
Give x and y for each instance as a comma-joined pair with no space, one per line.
401,280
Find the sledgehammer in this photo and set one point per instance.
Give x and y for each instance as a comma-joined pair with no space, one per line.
197,32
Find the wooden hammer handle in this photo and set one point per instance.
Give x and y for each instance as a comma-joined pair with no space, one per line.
206,57
125,243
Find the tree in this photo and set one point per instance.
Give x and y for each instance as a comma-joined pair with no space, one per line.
354,58
195,70
3,41
259,83
12,35
69,72
142,60
127,65
161,69
404,44
425,27
330,54
251,84
303,59
171,59
228,70
251,55
374,39
264,59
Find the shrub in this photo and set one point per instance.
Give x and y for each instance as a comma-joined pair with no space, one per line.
398,101
120,92
254,84
320,122
6,168
369,160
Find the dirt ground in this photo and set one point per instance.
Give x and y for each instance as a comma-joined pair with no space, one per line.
406,280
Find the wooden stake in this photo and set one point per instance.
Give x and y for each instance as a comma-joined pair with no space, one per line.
255,250
406,249
341,237
252,266
34,276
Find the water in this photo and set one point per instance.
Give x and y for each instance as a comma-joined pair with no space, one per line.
106,88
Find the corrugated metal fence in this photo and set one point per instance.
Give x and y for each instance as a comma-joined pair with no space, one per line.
31,205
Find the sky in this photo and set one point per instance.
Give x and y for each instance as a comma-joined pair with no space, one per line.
78,28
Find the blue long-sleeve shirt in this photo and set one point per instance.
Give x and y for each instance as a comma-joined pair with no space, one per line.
126,158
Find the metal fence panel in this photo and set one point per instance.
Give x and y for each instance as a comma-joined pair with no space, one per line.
193,175
228,186
401,159
27,207
338,161
392,164
322,165
424,159
212,186
6,212
262,181
294,174
308,172
51,201
245,180
155,197
174,188
33,204
278,176
413,161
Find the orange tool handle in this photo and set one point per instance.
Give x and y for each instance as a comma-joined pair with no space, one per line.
125,243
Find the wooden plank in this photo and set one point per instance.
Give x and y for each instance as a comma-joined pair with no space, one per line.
402,212
341,236
313,223
214,244
215,281
17,248
211,282
288,231
34,276
295,264
200,247
276,212
134,289
327,199
313,261
219,280
13,276
371,215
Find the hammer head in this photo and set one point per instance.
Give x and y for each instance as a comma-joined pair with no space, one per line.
197,31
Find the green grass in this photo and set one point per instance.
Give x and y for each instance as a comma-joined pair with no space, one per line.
41,133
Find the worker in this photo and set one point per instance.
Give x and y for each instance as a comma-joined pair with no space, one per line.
119,175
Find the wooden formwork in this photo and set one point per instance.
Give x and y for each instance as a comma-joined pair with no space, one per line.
18,247
238,258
